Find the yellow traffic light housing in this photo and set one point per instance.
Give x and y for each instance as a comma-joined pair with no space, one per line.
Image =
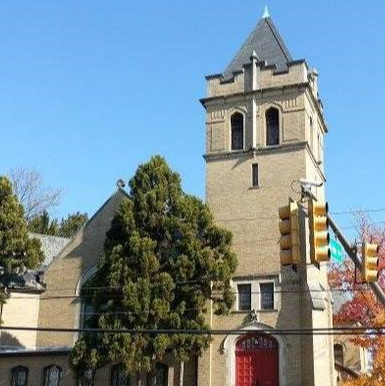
319,232
289,229
369,262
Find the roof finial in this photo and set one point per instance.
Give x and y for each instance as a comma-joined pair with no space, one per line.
266,13
254,56
120,183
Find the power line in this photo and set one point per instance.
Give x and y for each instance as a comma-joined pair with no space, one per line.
371,331
275,218
355,211
359,287
294,291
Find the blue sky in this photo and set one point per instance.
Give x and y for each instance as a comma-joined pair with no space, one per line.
89,89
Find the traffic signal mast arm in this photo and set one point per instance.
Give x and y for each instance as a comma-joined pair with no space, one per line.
352,253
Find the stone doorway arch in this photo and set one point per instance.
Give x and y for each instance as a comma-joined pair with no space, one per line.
256,357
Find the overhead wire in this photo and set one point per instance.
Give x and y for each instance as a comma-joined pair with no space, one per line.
355,211
235,292
275,291
367,331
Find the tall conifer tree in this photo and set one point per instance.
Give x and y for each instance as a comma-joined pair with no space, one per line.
164,260
17,250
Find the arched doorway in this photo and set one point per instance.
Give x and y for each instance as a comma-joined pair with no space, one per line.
257,361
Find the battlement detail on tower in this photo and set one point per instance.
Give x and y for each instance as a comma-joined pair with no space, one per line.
258,76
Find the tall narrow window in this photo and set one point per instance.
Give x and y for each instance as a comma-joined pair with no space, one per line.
19,376
319,149
88,319
339,353
52,375
267,296
119,376
272,127
311,134
237,131
244,297
254,175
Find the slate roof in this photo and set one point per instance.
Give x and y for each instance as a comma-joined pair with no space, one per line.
51,246
267,43
29,280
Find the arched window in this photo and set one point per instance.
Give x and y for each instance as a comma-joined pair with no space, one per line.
339,353
19,376
88,378
52,375
87,310
272,126
88,316
119,376
237,131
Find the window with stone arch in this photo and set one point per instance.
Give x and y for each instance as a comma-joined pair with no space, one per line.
52,375
87,315
19,376
237,129
272,127
87,378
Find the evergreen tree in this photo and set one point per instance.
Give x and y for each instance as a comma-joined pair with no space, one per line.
164,260
70,226
44,225
67,227
17,250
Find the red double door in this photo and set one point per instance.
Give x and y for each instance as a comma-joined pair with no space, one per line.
257,361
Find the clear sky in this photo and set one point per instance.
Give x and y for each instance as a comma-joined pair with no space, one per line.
89,89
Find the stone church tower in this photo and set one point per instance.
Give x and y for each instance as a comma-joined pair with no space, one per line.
265,131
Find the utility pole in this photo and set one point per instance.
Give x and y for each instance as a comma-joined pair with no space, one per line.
352,253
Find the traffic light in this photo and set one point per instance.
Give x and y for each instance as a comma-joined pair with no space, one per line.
319,233
289,229
369,262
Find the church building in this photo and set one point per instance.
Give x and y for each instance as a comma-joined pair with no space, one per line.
264,132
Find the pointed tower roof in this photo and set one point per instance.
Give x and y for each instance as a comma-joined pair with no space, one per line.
267,43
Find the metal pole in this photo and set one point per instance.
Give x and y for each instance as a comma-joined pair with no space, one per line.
352,253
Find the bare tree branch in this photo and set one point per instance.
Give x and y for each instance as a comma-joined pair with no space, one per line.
29,186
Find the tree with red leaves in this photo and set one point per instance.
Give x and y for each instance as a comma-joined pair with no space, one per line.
362,307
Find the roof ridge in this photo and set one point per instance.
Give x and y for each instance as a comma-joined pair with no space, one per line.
245,44
269,45
278,37
73,239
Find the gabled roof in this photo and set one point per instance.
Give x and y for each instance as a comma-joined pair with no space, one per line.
92,234
55,247
267,43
